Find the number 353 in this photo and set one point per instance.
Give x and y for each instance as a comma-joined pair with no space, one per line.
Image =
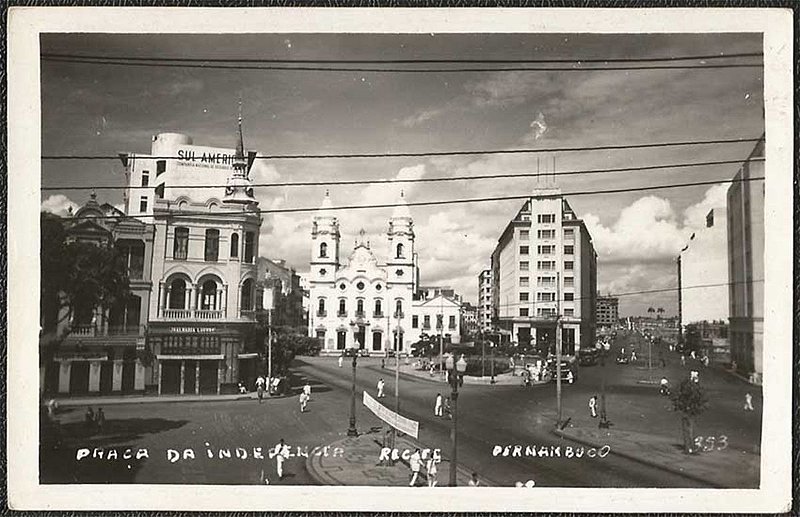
710,443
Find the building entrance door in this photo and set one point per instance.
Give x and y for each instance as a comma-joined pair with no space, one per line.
170,377
208,377
361,336
106,376
79,378
189,377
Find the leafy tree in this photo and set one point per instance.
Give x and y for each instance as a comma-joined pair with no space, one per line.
77,276
690,400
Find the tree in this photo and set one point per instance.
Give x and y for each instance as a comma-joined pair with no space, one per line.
650,310
690,400
77,276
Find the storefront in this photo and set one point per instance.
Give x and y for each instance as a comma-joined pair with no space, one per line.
199,359
95,371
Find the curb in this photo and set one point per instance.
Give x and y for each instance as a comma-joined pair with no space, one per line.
73,402
639,460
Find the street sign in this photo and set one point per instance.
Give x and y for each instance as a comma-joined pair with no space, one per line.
399,422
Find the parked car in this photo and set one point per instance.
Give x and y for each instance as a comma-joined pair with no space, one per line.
588,356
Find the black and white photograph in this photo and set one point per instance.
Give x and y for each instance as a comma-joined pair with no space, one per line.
411,259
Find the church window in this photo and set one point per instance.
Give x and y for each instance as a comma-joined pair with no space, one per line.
360,286
180,248
321,307
359,308
322,272
342,307
249,247
398,308
414,321
378,309
323,250
342,286
145,178
143,204
400,250
399,272
234,245
378,287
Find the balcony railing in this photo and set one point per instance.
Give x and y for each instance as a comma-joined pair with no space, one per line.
359,314
342,314
196,314
426,326
399,314
377,314
322,314
247,314
83,330
111,330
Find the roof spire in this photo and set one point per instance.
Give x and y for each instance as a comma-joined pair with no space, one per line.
239,190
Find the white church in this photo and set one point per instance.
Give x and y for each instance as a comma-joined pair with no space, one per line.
361,302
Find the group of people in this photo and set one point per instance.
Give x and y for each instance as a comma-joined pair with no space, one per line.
442,406
95,421
431,468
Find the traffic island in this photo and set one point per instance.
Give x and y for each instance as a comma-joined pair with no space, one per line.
360,464
719,466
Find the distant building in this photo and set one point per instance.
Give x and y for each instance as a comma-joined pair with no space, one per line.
709,338
545,265
281,293
99,347
469,319
607,311
746,266
704,262
437,316
485,300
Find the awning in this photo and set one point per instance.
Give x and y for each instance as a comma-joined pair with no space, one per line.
251,355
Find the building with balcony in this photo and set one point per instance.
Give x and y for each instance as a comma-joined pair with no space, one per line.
485,300
544,269
202,309
98,350
607,311
438,316
745,210
360,301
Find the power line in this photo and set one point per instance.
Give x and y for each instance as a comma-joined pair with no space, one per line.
56,55
630,293
424,180
401,70
438,202
446,153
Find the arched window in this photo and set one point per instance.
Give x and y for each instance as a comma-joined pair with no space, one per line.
323,250
400,250
177,294
180,247
247,295
234,245
378,307
208,296
342,307
398,308
321,307
359,307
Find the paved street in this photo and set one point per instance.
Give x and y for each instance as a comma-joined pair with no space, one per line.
488,416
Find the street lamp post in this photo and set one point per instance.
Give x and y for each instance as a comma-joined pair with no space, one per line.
455,372
352,351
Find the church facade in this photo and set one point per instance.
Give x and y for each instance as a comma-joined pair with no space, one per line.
359,301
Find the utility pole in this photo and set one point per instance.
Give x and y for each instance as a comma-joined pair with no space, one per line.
441,333
558,349
396,375
269,350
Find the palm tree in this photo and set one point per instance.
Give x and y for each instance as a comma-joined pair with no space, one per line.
650,310
660,312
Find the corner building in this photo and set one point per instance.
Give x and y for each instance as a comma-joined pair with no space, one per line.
545,265
202,309
361,302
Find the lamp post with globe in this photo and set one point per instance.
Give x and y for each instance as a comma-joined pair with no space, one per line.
455,371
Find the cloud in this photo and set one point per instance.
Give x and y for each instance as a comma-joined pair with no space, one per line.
538,129
505,89
715,197
419,118
383,193
58,204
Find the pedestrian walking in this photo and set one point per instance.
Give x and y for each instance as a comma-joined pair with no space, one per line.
303,401
432,472
383,363
694,355
260,382
633,355
447,410
341,358
307,391
100,419
474,481
437,408
280,453
432,371
694,375
415,461
593,406
683,360
705,361
89,419
748,402
381,385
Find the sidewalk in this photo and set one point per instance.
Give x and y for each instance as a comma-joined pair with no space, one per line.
359,465
409,369
727,468
152,399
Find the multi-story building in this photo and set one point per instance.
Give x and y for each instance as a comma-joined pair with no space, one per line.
469,320
202,310
746,265
281,292
99,349
437,316
704,271
485,300
544,269
607,311
362,303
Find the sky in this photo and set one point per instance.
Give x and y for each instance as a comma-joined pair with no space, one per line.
91,109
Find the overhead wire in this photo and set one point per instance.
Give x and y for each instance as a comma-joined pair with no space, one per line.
470,152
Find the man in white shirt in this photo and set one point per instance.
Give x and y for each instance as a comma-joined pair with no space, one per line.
433,470
415,461
260,387
307,391
381,385
438,409
281,453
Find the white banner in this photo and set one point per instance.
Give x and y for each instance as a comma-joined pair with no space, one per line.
401,423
